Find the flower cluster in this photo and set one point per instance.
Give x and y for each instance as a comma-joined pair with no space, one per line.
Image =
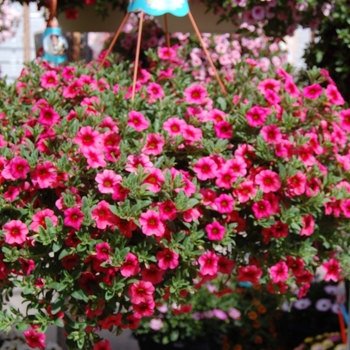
110,206
326,341
9,19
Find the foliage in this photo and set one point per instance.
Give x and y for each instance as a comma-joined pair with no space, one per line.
331,47
110,206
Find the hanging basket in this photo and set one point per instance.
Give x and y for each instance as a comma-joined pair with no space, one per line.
89,21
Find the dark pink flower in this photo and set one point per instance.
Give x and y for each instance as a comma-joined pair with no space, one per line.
250,273
137,121
209,263
167,259
73,217
262,209
308,225
205,168
312,92
332,269
39,219
215,231
35,339
268,181
131,265
15,232
151,223
279,272
141,292
195,94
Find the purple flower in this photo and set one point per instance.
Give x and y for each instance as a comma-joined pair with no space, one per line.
323,305
221,315
332,290
302,304
234,313
197,316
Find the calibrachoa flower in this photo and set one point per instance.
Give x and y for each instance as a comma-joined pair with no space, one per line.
167,259
151,223
215,231
209,263
39,219
35,339
137,121
73,217
332,270
250,274
15,232
279,272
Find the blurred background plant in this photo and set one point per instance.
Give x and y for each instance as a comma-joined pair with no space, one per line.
331,46
9,20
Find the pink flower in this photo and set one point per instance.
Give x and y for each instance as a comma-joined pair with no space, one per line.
144,309
209,263
39,219
174,126
166,54
224,204
95,157
15,232
16,168
215,231
191,134
73,217
73,89
167,210
205,168
332,269
102,251
155,91
102,215
312,92
345,207
333,95
12,193
131,266
141,292
269,85
137,121
154,144
262,209
154,180
279,272
268,181
245,191
27,266
345,119
308,225
107,180
167,259
135,160
225,178
223,130
257,115
35,339
151,223
103,344
250,273
191,214
296,184
49,79
44,175
87,138
48,116
291,88
195,94
271,134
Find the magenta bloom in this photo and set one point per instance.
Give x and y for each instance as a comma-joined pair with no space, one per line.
167,210
209,263
296,184
225,178
15,232
215,231
102,215
345,206
144,309
141,292
224,204
191,134
271,134
153,274
312,92
154,180
49,79
166,53
245,191
332,269
151,223
223,130
155,91
154,144
73,217
167,259
137,121
345,119
131,265
279,272
95,157
102,251
35,339
205,168
195,94
268,181
262,209
44,175
135,160
250,273
107,180
16,168
257,115
269,85
87,138
39,219
174,126
333,95
308,225
48,116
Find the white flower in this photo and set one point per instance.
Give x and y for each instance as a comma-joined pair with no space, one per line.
156,324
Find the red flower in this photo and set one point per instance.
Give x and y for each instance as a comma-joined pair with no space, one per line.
35,339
